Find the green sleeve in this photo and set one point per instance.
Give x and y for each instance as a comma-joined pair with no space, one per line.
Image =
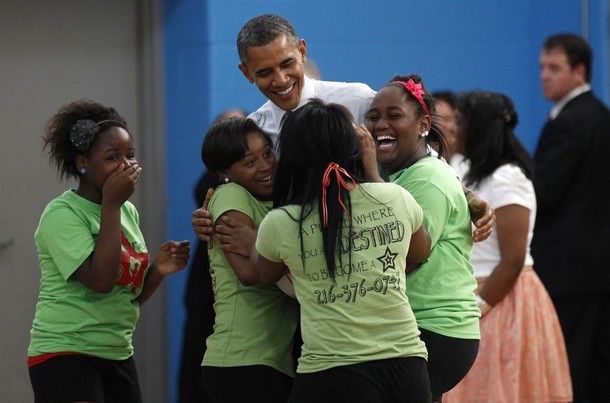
230,197
66,238
267,244
435,205
416,213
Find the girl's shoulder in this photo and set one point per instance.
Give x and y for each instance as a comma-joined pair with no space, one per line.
232,193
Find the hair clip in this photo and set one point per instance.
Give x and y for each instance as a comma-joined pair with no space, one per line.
82,133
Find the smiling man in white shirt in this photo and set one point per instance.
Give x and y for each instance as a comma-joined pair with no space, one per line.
273,57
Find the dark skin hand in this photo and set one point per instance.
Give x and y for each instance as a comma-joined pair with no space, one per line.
482,216
202,221
100,271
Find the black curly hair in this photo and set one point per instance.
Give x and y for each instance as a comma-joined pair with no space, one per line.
57,132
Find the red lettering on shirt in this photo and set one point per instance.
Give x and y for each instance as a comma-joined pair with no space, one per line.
133,265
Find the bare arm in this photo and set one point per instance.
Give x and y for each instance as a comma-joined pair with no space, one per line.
171,258
268,271
368,150
241,265
419,248
235,236
481,214
512,223
101,269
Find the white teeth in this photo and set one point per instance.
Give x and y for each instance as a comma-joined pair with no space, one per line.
286,91
385,137
265,179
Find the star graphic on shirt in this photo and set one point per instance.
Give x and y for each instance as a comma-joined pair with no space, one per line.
387,259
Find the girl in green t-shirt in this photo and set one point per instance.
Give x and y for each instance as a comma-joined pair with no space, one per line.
94,264
249,354
441,290
346,245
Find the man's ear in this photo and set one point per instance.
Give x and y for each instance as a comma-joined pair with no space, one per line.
581,70
303,49
244,70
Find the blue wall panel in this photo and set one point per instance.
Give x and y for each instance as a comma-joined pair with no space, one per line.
187,110
457,45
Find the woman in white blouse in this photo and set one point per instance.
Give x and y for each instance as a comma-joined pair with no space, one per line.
522,355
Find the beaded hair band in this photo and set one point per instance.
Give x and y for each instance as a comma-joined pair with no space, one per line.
83,132
417,90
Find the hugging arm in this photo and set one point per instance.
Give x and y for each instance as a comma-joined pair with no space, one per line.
268,271
482,216
240,263
419,248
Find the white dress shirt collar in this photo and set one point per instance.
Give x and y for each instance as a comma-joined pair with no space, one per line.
307,92
571,95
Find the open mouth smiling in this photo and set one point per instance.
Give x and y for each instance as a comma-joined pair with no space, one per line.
265,179
385,141
284,92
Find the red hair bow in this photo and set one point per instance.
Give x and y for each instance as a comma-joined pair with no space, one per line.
417,90
341,175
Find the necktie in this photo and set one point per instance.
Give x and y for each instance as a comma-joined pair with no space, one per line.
283,119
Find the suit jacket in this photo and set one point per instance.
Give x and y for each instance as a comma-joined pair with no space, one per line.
571,244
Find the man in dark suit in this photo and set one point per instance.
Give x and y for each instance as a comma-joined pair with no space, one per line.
571,241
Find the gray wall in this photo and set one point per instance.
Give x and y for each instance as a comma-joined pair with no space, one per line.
51,53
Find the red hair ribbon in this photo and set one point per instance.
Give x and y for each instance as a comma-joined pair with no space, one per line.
417,90
340,174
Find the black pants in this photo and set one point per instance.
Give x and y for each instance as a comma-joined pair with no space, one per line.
199,325
252,384
392,380
78,378
449,360
585,322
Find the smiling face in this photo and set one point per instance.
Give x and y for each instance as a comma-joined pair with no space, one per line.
558,78
277,70
396,128
256,170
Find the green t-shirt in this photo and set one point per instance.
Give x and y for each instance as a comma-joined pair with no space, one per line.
254,325
69,316
365,315
441,291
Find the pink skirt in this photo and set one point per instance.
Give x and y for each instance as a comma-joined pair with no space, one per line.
522,355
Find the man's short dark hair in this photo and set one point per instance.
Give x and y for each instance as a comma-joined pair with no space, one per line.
576,49
262,30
